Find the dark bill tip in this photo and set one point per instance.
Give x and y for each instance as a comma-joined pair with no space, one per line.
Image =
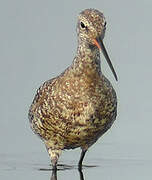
99,40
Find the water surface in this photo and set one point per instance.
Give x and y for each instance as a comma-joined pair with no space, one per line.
37,42
116,165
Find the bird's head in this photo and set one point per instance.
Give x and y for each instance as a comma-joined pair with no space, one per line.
91,25
91,30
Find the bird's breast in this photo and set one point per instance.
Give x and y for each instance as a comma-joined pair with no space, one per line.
74,107
86,99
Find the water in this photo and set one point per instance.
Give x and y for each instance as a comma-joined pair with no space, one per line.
121,162
37,42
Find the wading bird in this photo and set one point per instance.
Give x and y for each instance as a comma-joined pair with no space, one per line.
77,107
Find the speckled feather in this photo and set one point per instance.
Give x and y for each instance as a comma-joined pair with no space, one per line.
77,107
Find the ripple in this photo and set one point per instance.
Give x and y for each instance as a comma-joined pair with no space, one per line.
62,167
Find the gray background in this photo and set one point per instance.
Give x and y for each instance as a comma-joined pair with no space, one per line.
37,42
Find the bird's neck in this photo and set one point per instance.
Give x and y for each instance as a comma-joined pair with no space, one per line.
87,50
88,57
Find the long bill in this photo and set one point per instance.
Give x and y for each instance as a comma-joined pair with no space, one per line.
99,43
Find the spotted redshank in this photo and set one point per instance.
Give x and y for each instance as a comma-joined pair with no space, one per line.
77,107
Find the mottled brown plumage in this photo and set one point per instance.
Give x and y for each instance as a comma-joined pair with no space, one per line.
80,105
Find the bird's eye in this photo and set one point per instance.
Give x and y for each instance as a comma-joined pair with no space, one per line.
82,25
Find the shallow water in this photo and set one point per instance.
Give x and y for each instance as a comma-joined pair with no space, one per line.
37,42
116,165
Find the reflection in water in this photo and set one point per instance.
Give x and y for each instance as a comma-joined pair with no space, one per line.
81,175
54,175
63,167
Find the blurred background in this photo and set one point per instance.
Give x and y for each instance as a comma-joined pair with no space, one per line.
37,42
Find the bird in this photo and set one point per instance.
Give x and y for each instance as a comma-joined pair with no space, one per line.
74,109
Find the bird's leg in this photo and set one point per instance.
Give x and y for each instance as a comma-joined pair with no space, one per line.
54,156
81,158
81,174
54,174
